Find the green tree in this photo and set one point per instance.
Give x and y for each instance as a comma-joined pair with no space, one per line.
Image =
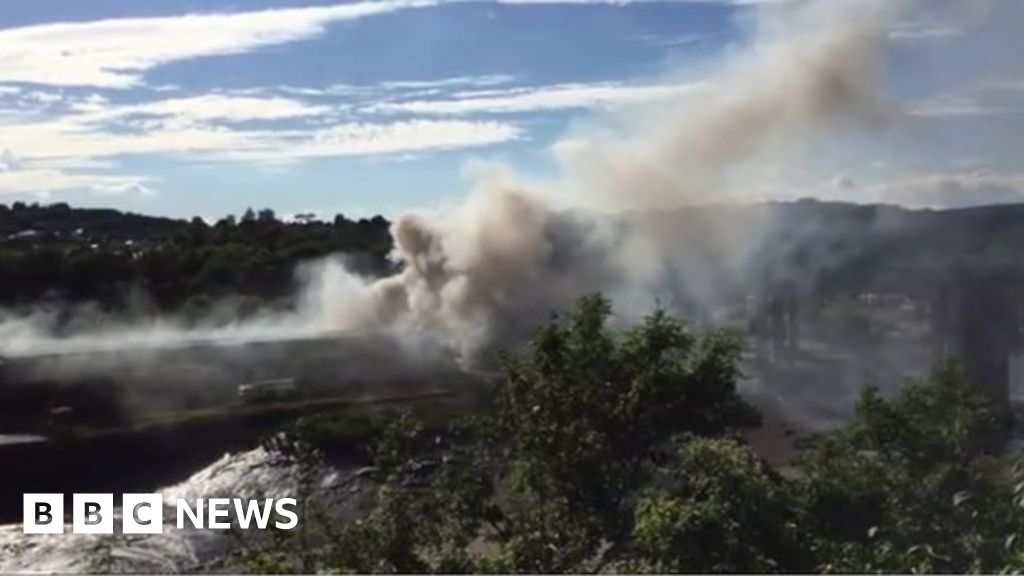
718,509
915,483
585,412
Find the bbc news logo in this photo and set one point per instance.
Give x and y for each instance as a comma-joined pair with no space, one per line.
143,513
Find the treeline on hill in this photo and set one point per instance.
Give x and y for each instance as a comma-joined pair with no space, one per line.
99,255
620,452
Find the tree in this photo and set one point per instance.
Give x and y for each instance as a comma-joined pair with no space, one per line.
585,412
915,483
198,232
719,509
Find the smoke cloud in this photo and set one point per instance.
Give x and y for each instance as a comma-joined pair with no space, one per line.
513,252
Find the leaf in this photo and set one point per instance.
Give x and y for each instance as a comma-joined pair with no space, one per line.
961,497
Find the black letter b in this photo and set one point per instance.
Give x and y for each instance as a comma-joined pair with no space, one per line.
43,510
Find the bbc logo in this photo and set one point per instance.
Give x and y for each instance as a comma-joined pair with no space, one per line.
144,513
93,514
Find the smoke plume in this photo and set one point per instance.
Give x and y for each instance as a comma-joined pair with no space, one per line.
513,253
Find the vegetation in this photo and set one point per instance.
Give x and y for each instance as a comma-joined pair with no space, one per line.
109,257
619,452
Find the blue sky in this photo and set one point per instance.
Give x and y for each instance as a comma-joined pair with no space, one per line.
208,107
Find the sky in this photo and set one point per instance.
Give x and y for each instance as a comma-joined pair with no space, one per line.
207,107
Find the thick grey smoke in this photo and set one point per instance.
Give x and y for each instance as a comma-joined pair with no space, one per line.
507,256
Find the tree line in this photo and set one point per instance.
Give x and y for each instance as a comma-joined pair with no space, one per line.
56,252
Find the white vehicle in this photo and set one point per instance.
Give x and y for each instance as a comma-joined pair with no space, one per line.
264,390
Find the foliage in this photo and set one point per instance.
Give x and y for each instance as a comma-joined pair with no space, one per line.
584,412
720,509
105,256
914,484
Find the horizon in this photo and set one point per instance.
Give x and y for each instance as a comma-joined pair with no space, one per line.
326,218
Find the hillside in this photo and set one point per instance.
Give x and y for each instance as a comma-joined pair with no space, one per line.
99,255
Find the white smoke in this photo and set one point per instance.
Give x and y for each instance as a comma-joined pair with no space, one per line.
506,256
809,70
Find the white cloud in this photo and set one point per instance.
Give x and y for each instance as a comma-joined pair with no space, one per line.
219,107
42,181
116,53
556,97
953,190
91,104
911,32
457,81
387,88
43,98
956,188
138,188
80,141
369,139
949,105
738,3
8,162
673,41
83,139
